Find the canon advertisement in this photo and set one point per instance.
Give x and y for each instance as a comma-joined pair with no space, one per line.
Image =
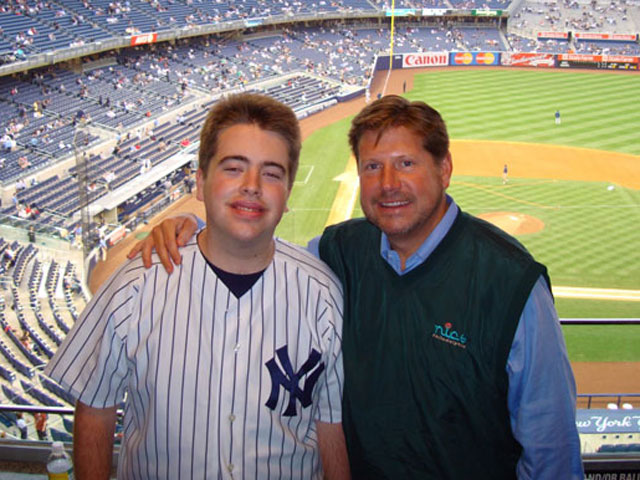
419,60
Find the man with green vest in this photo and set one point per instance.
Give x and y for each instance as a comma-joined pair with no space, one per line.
455,364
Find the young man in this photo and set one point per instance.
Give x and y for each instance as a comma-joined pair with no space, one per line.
232,366
455,365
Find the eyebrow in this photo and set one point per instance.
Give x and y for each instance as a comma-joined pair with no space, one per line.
242,158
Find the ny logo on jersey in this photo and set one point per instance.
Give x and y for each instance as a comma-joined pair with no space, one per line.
289,379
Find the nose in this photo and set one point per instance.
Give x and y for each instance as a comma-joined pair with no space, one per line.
251,183
389,178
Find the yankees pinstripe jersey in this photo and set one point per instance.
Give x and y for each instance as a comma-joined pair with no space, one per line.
217,386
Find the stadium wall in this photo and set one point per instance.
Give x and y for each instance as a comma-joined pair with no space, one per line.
507,59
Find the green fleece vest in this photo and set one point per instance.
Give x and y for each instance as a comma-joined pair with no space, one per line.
425,353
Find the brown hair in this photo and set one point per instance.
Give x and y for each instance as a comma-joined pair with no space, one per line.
250,108
394,111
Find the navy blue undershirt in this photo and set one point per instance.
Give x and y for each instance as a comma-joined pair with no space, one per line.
238,283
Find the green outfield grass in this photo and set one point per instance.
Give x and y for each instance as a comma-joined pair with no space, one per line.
598,110
591,236
602,343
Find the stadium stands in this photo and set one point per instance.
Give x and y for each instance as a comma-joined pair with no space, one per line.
27,339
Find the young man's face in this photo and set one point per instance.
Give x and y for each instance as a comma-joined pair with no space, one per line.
402,188
246,187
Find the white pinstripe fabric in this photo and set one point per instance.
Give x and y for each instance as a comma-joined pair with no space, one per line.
192,358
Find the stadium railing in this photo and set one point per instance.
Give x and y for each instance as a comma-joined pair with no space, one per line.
30,455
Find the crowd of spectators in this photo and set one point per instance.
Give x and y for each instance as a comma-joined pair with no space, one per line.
603,16
32,26
112,96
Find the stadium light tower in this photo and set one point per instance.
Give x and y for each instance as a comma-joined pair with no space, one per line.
80,141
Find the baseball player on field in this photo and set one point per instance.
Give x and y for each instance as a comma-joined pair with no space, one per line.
232,368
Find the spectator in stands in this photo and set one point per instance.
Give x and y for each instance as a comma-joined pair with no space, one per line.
32,234
77,236
22,212
103,247
116,150
8,142
248,157
188,183
497,399
9,256
35,211
41,425
109,177
23,162
22,426
25,339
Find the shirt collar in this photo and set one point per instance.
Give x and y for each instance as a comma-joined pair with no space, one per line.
427,247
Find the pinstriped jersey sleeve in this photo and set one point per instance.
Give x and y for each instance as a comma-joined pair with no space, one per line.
92,362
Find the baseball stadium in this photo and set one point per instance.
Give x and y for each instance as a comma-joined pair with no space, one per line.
102,104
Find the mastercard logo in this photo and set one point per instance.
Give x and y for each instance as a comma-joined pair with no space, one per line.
487,58
463,58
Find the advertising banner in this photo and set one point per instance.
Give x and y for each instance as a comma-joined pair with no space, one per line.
430,59
545,60
613,475
400,12
602,420
612,37
143,39
474,58
556,35
613,62
433,12
486,12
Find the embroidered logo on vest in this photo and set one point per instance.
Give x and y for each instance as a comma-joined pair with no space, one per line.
289,379
446,333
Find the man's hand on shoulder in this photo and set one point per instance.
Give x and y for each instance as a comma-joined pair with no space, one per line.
166,238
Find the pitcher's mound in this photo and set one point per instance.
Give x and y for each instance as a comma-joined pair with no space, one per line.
514,223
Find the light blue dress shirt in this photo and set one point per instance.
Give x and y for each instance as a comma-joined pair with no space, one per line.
542,391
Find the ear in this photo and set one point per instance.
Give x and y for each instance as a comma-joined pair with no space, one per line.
200,185
446,169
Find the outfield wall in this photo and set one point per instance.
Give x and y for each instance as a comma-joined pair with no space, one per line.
508,59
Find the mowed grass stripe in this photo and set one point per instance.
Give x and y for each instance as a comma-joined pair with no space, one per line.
519,105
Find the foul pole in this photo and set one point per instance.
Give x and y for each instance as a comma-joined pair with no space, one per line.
391,41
